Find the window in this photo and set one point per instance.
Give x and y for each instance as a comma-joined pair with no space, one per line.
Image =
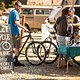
27,11
77,2
40,11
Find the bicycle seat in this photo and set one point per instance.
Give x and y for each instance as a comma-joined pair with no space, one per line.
52,32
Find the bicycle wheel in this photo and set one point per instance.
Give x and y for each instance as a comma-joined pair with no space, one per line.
51,52
48,39
32,52
76,60
52,38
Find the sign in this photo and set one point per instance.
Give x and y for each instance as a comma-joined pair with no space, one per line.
6,56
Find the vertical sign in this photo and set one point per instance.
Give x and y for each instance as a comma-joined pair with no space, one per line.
6,58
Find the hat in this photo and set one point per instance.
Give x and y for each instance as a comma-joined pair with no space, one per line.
71,9
18,4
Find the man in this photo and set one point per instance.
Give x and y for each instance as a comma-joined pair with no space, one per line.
14,22
72,18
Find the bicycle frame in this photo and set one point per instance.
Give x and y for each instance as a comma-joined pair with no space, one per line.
27,38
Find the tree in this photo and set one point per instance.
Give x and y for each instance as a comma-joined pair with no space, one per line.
1,4
8,3
1,0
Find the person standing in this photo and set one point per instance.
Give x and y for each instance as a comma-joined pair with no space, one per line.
14,22
60,27
73,18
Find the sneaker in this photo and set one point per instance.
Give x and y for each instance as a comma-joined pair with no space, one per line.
17,63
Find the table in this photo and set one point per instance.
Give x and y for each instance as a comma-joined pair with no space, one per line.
69,51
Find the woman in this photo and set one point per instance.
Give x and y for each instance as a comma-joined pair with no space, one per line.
60,27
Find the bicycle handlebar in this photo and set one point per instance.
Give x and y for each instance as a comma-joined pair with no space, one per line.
27,26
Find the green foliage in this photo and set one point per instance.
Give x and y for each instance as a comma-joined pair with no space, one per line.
8,3
1,0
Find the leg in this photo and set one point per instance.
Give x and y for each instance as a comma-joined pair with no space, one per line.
16,44
16,54
65,62
16,51
59,62
67,66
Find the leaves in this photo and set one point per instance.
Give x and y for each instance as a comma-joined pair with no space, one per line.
1,0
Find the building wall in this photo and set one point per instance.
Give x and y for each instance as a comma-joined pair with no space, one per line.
39,2
45,2
57,2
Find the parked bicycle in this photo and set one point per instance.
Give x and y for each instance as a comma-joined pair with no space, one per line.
31,50
51,46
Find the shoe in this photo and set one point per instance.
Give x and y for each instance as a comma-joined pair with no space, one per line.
17,63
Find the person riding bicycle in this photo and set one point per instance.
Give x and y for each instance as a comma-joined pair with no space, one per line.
14,22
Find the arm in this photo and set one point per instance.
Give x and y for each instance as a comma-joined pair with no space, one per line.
74,24
76,21
16,19
18,24
64,27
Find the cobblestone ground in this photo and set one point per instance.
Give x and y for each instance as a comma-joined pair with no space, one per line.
42,72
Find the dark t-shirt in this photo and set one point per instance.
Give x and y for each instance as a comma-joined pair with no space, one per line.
61,26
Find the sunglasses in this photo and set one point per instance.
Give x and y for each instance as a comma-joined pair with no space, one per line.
19,6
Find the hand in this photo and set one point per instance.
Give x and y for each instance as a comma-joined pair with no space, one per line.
25,29
70,25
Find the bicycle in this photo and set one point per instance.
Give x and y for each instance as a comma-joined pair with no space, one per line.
51,46
31,51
